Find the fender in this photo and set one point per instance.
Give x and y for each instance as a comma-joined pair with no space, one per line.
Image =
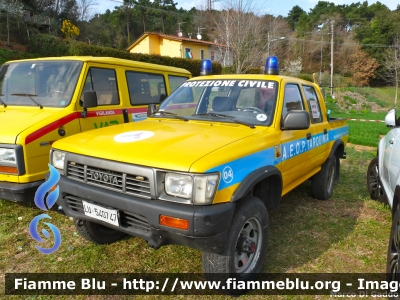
256,176
338,145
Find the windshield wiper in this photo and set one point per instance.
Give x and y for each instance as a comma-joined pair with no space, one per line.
2,102
30,97
226,117
161,112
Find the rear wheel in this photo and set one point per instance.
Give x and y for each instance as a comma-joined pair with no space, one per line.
374,186
97,233
246,246
323,182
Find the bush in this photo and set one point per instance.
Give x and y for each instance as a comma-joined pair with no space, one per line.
307,77
46,45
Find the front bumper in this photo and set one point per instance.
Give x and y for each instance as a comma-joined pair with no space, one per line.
208,225
19,192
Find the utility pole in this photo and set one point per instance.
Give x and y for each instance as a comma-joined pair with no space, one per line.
320,68
332,22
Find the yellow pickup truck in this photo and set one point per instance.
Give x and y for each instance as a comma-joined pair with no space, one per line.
205,167
42,100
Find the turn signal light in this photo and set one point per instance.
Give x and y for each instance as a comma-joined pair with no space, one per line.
174,222
12,170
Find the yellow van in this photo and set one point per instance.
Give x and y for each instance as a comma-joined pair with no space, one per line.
45,99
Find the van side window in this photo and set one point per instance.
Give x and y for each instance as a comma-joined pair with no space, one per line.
313,104
292,99
145,88
103,81
175,82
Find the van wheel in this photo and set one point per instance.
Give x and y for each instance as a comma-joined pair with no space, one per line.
97,233
246,244
323,182
392,263
374,186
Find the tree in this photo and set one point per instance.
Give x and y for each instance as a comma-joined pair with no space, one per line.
241,33
363,67
391,64
84,8
69,30
12,8
294,15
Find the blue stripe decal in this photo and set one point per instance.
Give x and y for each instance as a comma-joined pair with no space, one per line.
237,170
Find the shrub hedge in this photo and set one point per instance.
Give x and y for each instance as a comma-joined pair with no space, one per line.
46,45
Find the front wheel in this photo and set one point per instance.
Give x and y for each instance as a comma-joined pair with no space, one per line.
392,263
97,233
246,245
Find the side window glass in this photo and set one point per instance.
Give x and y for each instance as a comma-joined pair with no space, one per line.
104,82
313,104
145,88
175,82
292,99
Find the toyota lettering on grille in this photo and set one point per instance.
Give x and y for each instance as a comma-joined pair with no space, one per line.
103,177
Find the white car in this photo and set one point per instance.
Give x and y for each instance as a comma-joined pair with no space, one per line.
383,181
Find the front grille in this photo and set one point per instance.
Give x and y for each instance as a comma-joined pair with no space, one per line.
130,184
127,219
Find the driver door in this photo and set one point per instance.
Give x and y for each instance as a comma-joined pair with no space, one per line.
109,111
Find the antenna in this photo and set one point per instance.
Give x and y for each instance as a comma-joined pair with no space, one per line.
179,28
199,37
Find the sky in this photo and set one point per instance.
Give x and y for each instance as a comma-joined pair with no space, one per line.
273,7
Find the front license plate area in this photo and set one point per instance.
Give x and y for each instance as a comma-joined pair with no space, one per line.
101,213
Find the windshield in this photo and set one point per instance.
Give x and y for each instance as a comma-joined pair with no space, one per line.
249,102
39,83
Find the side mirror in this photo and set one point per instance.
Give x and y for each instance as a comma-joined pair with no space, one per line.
89,100
296,120
151,110
390,119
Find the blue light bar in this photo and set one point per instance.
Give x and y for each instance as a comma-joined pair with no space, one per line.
272,66
206,67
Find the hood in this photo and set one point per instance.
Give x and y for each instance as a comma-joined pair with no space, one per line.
14,121
165,144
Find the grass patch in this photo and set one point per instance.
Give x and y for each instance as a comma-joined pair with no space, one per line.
348,233
366,133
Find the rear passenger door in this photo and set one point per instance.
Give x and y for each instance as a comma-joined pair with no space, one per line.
108,111
319,141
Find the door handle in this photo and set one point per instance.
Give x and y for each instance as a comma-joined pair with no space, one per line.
308,135
325,131
391,142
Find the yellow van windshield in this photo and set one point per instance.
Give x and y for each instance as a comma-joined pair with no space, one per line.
39,83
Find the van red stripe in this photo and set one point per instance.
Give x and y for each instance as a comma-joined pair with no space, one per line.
76,115
50,127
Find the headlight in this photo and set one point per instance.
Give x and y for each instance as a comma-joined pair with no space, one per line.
198,188
58,158
204,188
7,156
179,185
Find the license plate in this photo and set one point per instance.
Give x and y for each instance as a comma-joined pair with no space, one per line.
101,213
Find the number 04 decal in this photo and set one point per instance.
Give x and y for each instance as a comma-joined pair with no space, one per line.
227,174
